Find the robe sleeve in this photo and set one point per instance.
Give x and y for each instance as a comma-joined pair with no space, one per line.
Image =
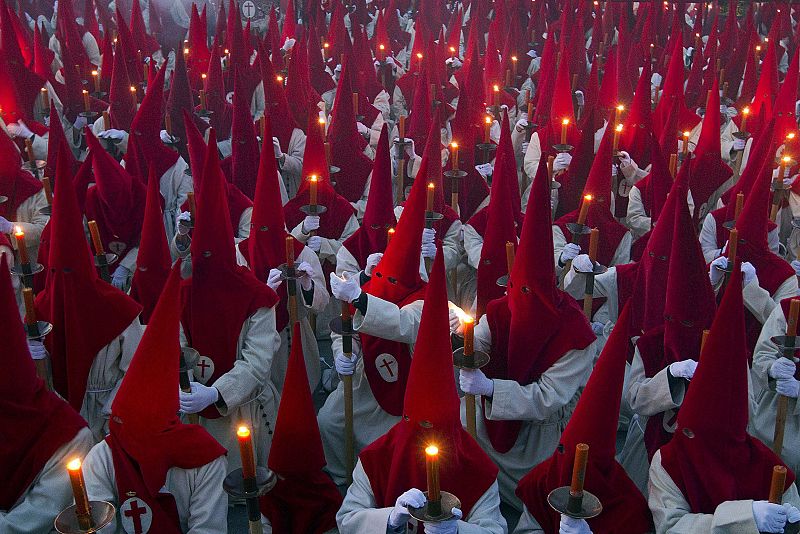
542,398
31,219
623,252
650,396
293,163
708,239
764,355
605,285
451,245
208,505
387,321
527,523
320,296
760,303
485,516
359,512
473,244
534,153
638,220
346,263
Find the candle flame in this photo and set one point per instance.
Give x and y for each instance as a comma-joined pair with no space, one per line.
204,76
620,108
565,122
227,51
185,50
279,78
746,111
381,47
314,178
468,320
453,145
790,136
85,92
391,231
133,89
74,464
43,90
687,134
243,432
431,186
786,159
419,55
496,88
326,45
453,49
95,73
587,198
487,119
618,128
758,48
321,121
513,58
431,450
18,231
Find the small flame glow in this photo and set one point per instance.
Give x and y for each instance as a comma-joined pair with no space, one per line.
74,464
431,450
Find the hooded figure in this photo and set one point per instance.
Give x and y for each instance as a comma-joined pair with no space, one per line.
95,326
536,335
594,422
713,476
153,468
390,474
47,432
229,320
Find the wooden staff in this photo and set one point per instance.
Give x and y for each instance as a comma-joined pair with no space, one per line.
107,120
777,185
469,362
186,387
291,287
594,238
29,153
777,485
48,190
32,328
550,160
347,382
673,165
192,204
733,244
783,401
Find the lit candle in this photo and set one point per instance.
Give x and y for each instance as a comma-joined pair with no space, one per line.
587,199
185,53
192,205
202,100
739,205
618,113
785,160
45,99
21,246
82,508
389,236
95,76
564,124
419,58
48,190
290,252
30,310
312,189
381,52
487,134
454,147
790,137
514,66
594,240
94,232
686,143
133,96
106,120
530,106
617,131
325,47
86,106
279,78
496,92
469,336
203,77
432,473
429,198
246,452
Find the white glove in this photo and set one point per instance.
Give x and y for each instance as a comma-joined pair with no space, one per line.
522,122
372,261
532,54
485,169
6,226
37,350
614,170
562,161
494,131
524,147
399,514
363,130
305,272
453,62
428,250
714,272
796,266
748,273
183,221
626,165
474,382
683,369
344,365
428,236
120,277
200,398
455,322
288,43
569,252
410,150
769,517
792,513
782,368
655,80
570,525
119,135
314,243
345,289
582,263
274,279
163,135
310,223
788,387
80,122
276,147
19,129
579,98
739,144
445,527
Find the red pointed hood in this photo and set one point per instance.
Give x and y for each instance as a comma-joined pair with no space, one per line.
289,23
419,123
301,95
561,105
54,140
786,121
767,86
321,81
121,105
216,101
594,422
144,421
608,98
180,97
199,54
638,126
244,145
42,55
42,422
372,236
141,39
16,184
153,261
275,96
86,312
713,418
672,94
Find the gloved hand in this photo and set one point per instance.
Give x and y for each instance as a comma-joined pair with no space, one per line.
769,517
200,398
796,266
579,98
274,279
314,243
782,368
562,161
494,131
598,328
346,289
474,382
582,263
626,165
37,350
792,513
288,43
570,525
409,150
524,147
445,527
748,273
485,169
569,252
788,387
183,221
120,277
532,54
683,369
119,135
428,250
428,236
6,226
453,62
372,261
614,170
455,322
344,365
80,122
310,223
363,130
739,144
522,121
399,514
19,129
304,273
165,137
714,272
276,147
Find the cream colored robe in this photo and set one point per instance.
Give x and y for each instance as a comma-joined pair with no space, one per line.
672,514
621,256
200,499
544,407
31,221
359,512
49,493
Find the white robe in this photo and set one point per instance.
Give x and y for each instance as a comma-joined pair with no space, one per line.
199,497
31,220
49,493
621,256
359,512
292,167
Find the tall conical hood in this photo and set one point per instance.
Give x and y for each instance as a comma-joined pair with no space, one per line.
121,104
639,124
244,144
786,121
275,97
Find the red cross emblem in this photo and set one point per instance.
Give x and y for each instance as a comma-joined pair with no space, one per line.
135,516
387,367
204,369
